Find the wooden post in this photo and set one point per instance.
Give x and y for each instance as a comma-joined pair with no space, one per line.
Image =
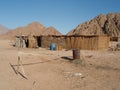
18,64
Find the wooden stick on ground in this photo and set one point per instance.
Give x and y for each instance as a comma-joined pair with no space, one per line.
13,68
22,69
18,64
23,72
32,85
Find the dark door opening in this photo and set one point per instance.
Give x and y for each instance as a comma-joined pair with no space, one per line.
39,41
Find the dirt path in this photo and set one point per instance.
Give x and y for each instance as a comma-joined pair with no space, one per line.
46,70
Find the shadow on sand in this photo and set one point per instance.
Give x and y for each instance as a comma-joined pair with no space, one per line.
67,58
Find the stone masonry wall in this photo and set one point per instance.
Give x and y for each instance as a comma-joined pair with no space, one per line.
57,40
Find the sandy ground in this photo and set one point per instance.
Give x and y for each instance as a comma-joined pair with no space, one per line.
52,70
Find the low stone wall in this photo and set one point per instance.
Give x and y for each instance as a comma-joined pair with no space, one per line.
57,40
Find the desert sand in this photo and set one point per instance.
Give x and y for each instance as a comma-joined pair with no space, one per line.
54,70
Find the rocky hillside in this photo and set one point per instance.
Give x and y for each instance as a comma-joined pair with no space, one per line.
3,29
51,31
34,28
102,24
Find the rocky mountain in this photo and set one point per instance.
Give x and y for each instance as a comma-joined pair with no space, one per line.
102,24
3,29
51,31
34,28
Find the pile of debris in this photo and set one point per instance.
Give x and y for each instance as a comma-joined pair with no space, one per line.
115,48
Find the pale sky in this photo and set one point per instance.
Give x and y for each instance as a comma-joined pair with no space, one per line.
64,15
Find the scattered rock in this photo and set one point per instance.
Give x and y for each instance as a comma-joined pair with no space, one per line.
78,62
118,45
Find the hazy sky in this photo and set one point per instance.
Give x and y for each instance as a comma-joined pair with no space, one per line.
64,15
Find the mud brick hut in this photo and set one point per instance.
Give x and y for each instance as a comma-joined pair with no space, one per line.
91,42
32,41
82,42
